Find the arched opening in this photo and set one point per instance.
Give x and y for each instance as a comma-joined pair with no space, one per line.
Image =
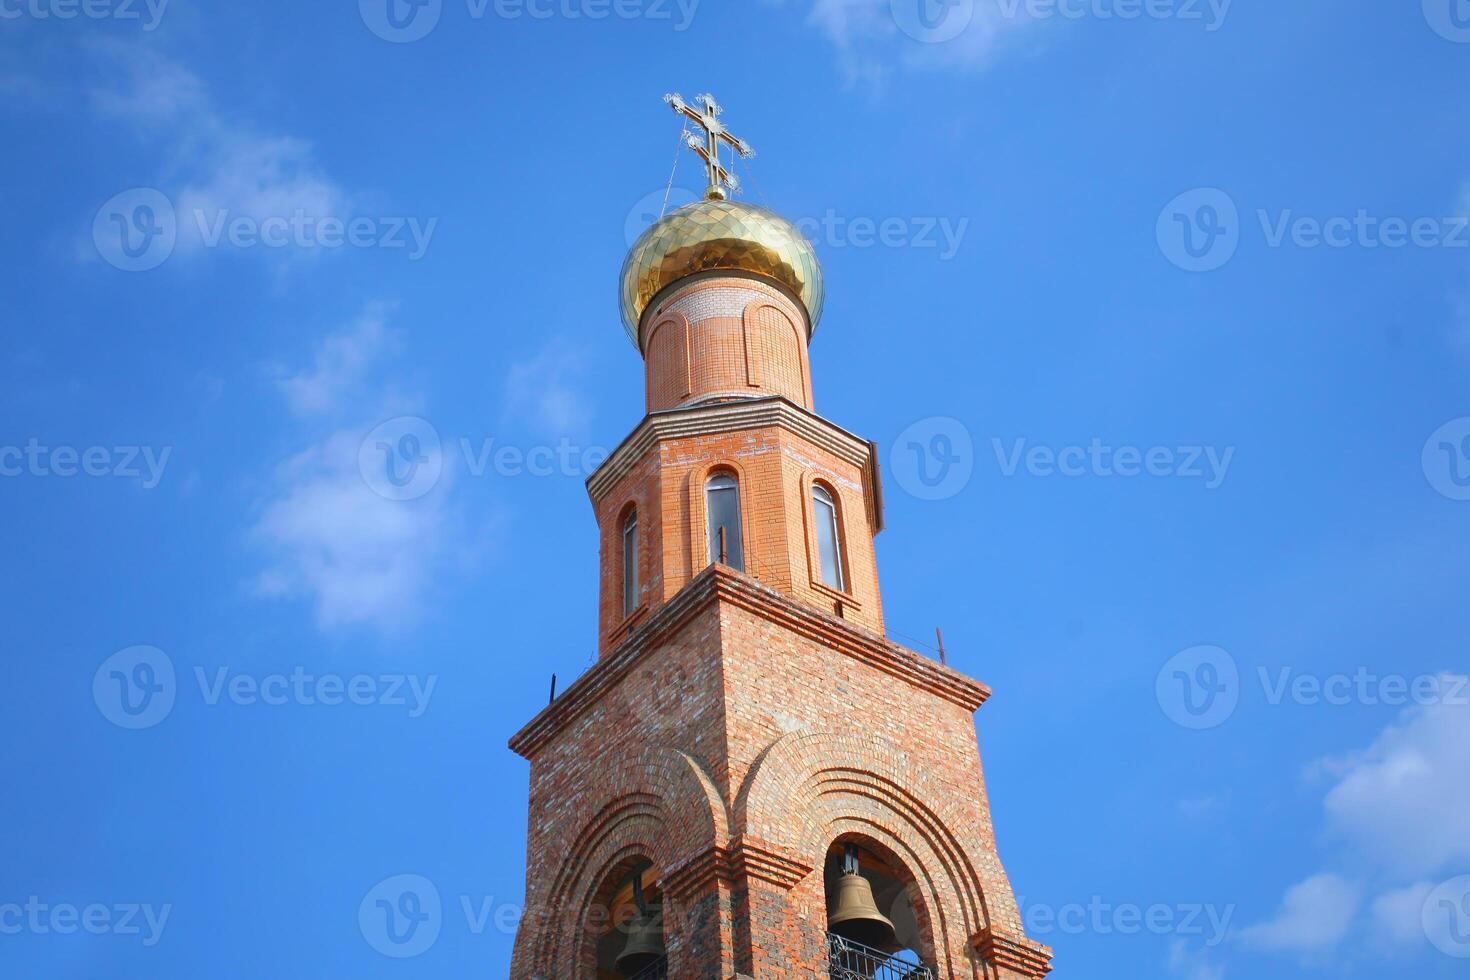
627,922
630,560
875,923
722,519
829,538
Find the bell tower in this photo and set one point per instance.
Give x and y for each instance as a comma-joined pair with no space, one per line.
752,781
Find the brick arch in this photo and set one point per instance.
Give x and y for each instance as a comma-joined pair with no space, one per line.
846,534
668,365
811,788
659,805
698,542
900,857
768,366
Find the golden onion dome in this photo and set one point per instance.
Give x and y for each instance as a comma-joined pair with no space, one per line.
713,236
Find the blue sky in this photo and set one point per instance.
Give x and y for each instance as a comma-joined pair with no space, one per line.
1187,293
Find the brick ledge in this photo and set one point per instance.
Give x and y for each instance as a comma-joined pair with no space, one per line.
715,583
1015,953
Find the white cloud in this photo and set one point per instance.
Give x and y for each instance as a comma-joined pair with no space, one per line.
361,558
1398,914
1403,804
149,89
871,42
1405,801
1314,916
219,166
546,391
340,365
1200,807
1191,965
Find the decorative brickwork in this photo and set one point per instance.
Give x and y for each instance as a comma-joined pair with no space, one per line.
730,738
725,337
778,452
747,729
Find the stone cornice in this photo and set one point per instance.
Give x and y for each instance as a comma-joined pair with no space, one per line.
730,416
744,860
697,873
1017,954
763,861
719,583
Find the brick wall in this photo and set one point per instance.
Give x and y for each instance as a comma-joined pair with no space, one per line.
725,337
731,738
777,470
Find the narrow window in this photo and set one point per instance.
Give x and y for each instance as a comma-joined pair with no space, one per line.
827,540
630,563
722,512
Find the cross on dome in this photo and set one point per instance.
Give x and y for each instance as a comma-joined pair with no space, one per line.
708,145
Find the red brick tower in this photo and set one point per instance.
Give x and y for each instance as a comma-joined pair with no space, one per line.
748,737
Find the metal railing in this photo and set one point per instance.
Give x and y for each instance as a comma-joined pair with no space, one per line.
655,971
847,960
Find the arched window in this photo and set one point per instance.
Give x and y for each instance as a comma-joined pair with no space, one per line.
829,542
625,934
630,562
875,925
722,513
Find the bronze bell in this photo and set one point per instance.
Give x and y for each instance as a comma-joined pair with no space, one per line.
855,915
645,943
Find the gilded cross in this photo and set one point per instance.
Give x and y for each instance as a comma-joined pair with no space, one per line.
707,145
